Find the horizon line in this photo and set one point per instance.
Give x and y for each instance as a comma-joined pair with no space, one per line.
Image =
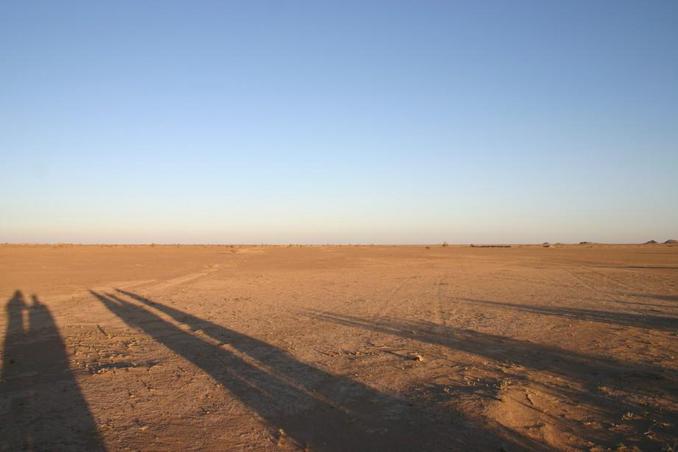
315,244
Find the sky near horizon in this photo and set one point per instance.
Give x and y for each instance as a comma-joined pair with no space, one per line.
338,122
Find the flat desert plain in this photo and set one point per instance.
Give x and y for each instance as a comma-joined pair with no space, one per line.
339,348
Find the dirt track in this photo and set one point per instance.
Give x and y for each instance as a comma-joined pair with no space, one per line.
339,348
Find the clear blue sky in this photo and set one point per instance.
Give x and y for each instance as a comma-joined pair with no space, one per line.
316,122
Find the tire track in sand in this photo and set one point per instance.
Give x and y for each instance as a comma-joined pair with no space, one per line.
153,286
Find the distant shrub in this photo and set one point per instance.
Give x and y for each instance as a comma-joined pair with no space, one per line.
445,244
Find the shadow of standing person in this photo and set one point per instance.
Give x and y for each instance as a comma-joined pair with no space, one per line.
43,408
315,408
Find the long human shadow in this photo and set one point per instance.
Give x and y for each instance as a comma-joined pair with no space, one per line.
46,409
656,296
588,373
528,354
615,318
639,305
313,407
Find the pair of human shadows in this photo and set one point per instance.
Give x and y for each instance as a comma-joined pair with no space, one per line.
647,321
46,409
587,371
314,408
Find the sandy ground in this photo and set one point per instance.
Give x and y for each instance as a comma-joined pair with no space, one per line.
339,348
